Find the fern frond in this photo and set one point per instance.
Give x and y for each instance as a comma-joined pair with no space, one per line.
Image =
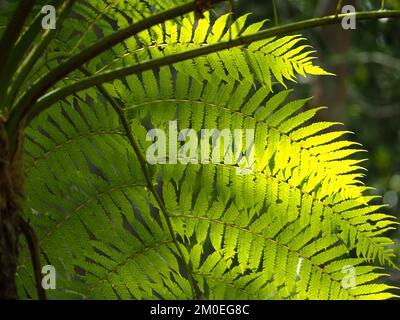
280,58
286,229
281,216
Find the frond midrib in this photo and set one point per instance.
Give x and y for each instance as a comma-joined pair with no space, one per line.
295,252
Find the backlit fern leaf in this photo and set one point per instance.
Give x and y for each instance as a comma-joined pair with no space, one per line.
280,58
284,230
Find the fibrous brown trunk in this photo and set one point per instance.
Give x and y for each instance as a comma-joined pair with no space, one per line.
11,195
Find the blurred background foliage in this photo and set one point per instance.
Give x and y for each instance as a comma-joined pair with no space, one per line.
364,94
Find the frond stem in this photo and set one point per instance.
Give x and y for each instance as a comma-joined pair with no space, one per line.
25,65
33,245
276,17
339,7
143,164
10,37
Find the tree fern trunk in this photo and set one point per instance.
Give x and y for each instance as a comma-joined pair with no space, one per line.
11,191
